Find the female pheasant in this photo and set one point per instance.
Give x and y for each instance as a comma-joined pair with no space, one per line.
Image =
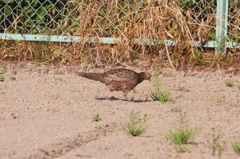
119,79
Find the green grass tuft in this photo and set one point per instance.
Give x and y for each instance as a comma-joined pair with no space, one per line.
229,83
96,118
158,93
236,146
181,148
215,142
12,78
2,79
219,99
238,86
135,125
59,80
182,134
162,96
3,69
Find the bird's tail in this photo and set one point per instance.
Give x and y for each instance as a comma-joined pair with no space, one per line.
92,76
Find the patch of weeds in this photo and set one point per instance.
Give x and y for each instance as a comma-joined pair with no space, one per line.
10,55
152,157
135,125
12,78
3,69
169,75
215,143
181,148
162,96
197,56
96,118
220,44
182,134
141,95
59,80
158,93
219,99
229,83
134,92
238,86
146,97
236,146
2,79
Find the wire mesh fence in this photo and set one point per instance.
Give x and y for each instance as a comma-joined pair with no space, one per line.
38,17
139,19
234,19
203,12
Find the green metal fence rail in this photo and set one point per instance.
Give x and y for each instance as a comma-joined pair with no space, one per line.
57,20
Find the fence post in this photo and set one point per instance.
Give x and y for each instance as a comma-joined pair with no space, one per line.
221,26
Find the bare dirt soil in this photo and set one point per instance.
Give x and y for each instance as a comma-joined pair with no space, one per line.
47,113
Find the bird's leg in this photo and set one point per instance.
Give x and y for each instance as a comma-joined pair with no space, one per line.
125,92
109,97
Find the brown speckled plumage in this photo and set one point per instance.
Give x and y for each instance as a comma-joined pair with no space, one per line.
119,79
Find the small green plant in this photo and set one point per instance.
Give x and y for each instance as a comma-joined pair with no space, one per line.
229,83
96,118
2,79
219,99
236,146
12,78
135,125
59,80
215,142
134,92
238,86
221,42
162,96
146,97
158,93
181,148
152,157
3,69
182,133
197,56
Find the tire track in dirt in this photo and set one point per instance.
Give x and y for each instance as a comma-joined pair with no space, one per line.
63,146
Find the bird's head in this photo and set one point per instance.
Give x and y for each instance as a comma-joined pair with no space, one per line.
146,76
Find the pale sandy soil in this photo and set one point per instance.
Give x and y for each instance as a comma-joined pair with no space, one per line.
43,119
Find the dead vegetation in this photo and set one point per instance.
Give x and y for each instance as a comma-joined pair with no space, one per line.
157,20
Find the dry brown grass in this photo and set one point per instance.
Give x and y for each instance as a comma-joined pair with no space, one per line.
159,20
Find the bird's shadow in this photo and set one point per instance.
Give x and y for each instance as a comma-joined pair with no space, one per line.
135,101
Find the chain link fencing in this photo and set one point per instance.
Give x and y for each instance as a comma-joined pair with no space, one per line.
113,18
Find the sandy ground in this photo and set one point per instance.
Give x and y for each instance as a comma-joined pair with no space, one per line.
41,117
